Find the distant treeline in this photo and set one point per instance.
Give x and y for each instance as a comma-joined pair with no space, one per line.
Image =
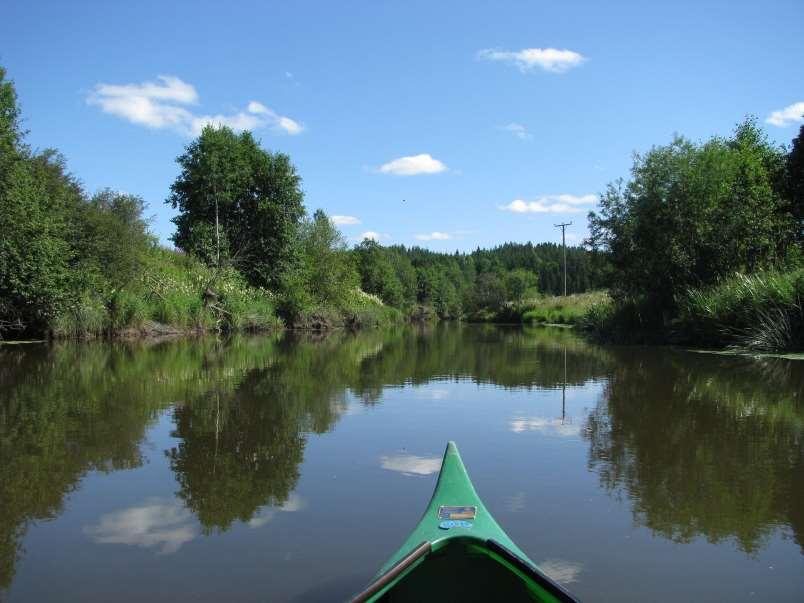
458,284
248,255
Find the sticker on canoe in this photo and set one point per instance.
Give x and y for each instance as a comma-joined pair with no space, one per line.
446,525
448,512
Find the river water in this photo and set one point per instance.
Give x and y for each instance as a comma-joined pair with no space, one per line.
290,467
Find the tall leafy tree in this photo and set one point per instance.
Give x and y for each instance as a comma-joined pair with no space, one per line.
377,273
795,182
692,213
329,269
37,201
238,203
112,238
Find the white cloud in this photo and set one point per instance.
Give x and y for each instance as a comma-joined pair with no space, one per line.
789,115
374,236
409,464
412,165
156,523
433,236
548,59
544,425
289,126
518,130
162,105
344,220
556,204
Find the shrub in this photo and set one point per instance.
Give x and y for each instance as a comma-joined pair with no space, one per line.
757,312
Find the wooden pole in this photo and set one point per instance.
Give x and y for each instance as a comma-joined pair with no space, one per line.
563,227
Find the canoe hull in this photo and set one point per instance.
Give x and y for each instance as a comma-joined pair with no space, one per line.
458,552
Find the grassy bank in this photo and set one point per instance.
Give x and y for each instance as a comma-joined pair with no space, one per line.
560,310
177,294
355,310
760,312
172,293
547,310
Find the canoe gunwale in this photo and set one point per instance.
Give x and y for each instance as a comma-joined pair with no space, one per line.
542,579
419,554
394,572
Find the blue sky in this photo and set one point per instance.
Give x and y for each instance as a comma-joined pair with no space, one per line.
492,120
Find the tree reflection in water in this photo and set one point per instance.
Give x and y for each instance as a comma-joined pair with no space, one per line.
703,445
700,445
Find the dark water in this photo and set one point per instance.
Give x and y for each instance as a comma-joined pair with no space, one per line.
289,467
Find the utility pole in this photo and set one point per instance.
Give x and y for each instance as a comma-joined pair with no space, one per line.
563,227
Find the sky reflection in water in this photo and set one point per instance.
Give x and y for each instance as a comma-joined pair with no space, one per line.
243,469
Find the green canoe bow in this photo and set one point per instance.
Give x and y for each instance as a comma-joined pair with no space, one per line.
458,552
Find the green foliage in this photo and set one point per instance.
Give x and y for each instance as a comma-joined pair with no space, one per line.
327,267
489,291
763,312
257,197
172,292
626,320
693,213
111,239
517,282
795,183
379,275
559,310
692,216
37,201
479,285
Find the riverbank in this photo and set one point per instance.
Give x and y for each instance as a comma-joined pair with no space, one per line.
759,312
177,295
549,310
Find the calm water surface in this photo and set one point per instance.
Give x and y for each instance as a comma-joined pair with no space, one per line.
288,468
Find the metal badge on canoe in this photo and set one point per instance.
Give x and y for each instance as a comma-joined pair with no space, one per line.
450,512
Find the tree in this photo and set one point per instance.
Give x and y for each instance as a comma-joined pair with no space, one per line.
692,213
329,272
795,182
112,238
377,274
254,195
37,201
489,291
517,282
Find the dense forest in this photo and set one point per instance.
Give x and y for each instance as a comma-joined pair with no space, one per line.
248,255
454,285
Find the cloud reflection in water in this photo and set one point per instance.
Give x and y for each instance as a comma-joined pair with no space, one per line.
409,464
165,524
545,425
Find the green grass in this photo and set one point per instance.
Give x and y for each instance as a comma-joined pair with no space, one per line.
632,320
559,310
760,312
356,309
169,295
